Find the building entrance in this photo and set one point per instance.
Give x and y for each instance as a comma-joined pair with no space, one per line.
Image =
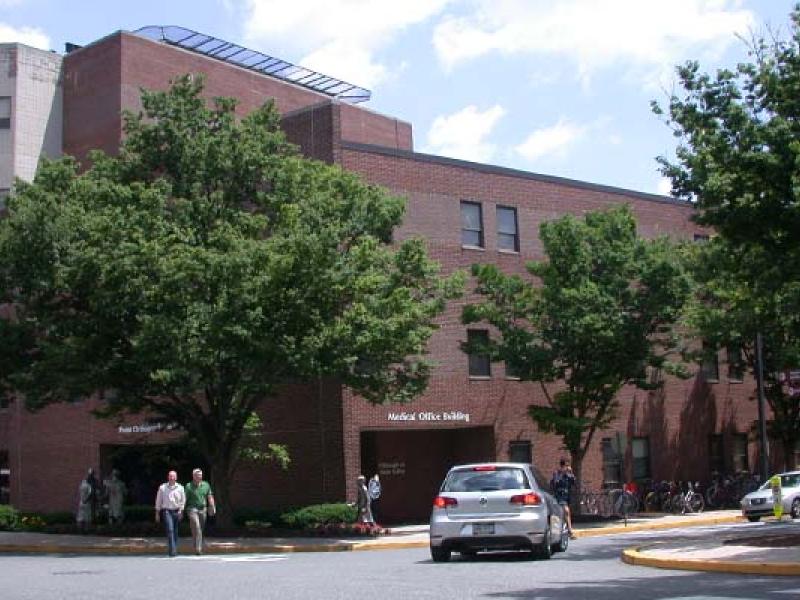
143,468
412,464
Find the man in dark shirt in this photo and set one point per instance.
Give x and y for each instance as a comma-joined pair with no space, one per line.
561,485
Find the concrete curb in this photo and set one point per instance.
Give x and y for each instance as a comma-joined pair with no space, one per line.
694,522
348,546
636,556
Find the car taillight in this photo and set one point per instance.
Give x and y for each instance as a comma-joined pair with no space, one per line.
485,468
444,502
526,499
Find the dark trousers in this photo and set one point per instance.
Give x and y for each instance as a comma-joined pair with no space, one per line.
170,518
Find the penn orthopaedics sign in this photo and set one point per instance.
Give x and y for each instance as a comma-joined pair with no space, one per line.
427,416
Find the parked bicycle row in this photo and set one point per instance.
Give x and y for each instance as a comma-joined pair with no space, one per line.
669,496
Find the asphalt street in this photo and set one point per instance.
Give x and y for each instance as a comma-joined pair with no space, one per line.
590,569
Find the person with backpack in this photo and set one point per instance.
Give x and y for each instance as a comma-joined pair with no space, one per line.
561,485
374,489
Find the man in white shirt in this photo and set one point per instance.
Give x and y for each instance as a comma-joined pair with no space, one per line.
170,501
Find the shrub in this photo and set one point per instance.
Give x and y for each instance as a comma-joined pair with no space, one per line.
242,516
312,516
9,518
349,529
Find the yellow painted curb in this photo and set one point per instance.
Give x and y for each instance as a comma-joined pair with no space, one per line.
634,556
582,533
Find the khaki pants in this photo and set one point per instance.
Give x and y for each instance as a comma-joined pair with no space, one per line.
197,522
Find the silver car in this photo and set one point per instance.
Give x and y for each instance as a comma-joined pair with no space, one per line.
495,506
759,503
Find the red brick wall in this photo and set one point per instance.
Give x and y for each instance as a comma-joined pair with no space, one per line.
314,130
367,127
677,421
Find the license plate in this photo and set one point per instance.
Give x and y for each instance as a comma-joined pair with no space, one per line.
757,501
482,528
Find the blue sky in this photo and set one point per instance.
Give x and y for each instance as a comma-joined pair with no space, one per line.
560,87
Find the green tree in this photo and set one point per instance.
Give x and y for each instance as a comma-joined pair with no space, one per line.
739,293
204,267
594,317
738,158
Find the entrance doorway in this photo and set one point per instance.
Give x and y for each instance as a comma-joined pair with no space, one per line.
143,468
412,464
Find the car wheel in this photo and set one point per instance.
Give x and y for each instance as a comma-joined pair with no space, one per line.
753,519
545,549
440,554
563,541
795,510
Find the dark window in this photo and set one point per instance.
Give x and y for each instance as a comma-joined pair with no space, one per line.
479,364
735,365
612,463
471,224
716,458
3,197
700,237
5,112
5,478
740,462
520,451
511,371
640,451
507,233
710,366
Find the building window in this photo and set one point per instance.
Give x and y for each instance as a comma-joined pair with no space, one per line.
716,458
520,451
471,225
735,365
5,478
612,463
740,462
479,364
5,112
507,232
640,451
700,237
796,456
710,365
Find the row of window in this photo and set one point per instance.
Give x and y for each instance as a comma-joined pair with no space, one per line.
472,227
710,366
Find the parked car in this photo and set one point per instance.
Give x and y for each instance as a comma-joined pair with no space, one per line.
759,503
495,506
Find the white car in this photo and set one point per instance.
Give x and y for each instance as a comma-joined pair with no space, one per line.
759,503
495,506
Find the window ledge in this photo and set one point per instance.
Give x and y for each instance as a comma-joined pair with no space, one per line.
735,380
512,378
478,248
504,251
480,377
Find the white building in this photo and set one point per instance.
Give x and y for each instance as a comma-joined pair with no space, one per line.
30,111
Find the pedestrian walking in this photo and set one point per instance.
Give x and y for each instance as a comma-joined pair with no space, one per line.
199,505
170,502
363,502
374,489
561,485
115,491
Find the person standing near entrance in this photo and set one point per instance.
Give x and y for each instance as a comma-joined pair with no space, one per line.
561,484
199,504
170,502
374,489
115,495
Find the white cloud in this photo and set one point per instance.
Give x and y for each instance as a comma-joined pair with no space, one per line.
554,140
30,36
343,36
463,134
594,34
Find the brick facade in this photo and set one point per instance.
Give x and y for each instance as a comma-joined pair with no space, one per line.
333,435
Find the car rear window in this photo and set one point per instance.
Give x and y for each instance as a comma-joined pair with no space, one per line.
502,478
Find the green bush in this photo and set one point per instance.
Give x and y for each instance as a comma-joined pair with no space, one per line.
9,518
242,516
315,515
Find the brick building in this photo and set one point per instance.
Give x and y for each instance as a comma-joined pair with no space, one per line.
689,429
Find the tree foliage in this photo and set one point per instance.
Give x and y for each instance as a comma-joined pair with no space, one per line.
205,266
596,316
738,158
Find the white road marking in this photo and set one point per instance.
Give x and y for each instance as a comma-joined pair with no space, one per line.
225,557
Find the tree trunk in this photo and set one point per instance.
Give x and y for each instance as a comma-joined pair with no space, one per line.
221,480
576,458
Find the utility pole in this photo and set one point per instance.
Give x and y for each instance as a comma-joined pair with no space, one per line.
763,445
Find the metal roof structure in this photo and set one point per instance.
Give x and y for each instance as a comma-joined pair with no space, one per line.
255,61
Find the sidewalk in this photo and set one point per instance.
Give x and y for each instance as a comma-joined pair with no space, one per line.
754,554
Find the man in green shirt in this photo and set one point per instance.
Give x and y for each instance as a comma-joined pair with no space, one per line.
199,504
